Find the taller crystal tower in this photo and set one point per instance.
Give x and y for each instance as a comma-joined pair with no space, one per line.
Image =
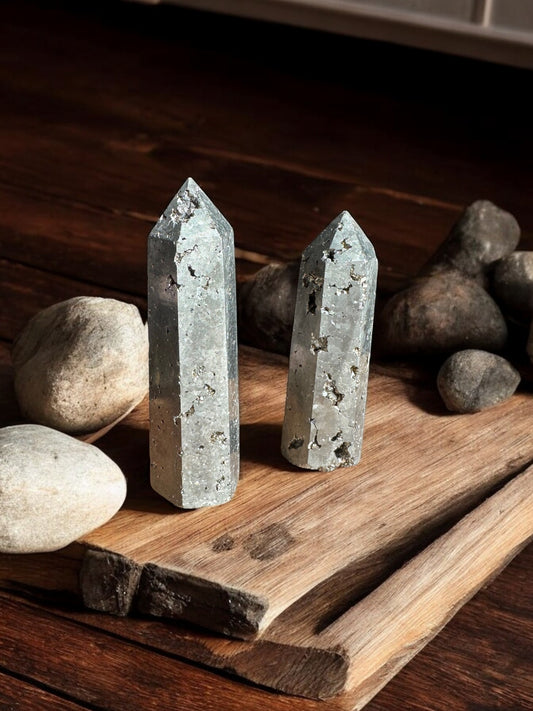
330,349
192,325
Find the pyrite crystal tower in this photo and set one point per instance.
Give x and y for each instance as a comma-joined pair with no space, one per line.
330,349
192,323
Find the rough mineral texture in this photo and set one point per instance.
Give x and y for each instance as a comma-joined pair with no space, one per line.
192,320
473,380
330,349
441,314
512,283
81,364
483,234
266,307
53,489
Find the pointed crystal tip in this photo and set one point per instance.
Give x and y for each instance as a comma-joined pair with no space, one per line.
190,185
342,233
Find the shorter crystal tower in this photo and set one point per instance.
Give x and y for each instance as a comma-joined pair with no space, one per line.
330,349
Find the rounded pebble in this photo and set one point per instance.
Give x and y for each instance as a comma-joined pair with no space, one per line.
483,234
440,314
473,380
266,307
54,489
81,364
512,282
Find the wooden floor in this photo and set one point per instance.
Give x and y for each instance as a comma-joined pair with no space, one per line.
106,108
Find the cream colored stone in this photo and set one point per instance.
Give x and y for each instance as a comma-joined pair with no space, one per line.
53,489
81,364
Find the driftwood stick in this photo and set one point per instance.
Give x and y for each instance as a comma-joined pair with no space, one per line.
392,624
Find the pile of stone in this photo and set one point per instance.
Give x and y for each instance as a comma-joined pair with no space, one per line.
79,366
459,308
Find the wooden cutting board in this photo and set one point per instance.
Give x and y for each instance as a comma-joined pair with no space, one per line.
288,532
304,564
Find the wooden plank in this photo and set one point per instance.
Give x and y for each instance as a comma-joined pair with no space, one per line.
416,474
365,647
18,694
292,639
99,226
25,291
111,674
385,630
362,649
138,94
493,660
275,527
136,129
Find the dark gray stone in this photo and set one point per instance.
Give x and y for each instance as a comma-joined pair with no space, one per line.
266,307
473,380
441,314
483,234
512,283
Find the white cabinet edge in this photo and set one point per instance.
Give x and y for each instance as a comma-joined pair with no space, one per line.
472,39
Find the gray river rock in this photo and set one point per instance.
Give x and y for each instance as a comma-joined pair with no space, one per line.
53,489
81,364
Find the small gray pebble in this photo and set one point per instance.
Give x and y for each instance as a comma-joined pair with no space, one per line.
473,380
483,234
54,489
440,314
512,282
266,307
81,364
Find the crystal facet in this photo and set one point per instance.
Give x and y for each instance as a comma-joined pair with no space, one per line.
330,349
192,324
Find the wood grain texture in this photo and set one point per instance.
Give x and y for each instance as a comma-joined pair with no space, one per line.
310,172
392,623
123,674
137,91
360,651
18,694
436,678
286,532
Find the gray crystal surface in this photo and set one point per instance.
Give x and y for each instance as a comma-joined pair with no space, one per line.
330,349
192,324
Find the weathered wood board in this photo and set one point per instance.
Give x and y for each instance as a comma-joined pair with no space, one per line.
289,534
306,562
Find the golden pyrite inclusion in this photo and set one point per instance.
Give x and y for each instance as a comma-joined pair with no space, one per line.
330,349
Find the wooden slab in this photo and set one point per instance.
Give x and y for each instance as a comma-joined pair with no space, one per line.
360,651
318,551
289,536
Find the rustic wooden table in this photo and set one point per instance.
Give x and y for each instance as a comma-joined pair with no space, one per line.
107,107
